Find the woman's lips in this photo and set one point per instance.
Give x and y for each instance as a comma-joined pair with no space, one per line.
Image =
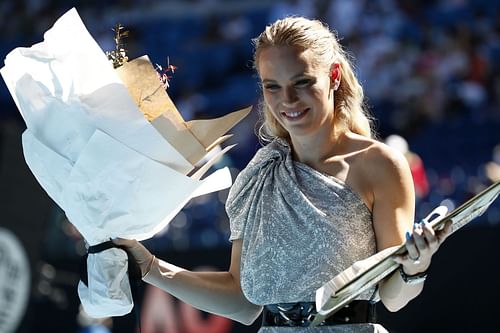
293,115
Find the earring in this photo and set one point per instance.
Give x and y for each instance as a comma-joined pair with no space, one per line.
334,76
334,73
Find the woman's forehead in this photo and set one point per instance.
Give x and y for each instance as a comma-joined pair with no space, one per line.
289,59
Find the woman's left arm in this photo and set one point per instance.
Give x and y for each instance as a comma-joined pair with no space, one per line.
393,215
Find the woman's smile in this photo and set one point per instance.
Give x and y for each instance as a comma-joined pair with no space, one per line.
296,90
295,114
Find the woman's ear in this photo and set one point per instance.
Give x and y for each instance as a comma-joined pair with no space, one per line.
335,75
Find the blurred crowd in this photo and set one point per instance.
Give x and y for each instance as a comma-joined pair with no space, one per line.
429,68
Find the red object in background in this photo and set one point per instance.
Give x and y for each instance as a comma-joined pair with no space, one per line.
414,161
161,313
419,176
478,68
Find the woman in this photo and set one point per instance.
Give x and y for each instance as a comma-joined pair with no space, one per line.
320,196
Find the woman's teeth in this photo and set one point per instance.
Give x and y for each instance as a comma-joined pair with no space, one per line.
294,114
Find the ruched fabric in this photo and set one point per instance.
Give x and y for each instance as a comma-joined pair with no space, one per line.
299,229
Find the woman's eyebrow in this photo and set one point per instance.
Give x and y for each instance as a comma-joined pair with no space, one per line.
300,75
296,76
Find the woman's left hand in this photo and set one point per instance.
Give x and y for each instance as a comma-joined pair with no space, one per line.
421,245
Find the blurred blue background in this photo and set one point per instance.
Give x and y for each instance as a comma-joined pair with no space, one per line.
430,70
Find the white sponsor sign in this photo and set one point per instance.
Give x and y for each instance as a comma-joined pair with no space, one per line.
14,281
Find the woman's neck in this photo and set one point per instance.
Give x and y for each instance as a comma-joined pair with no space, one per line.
315,149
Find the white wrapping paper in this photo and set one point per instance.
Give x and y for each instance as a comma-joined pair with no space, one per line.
96,155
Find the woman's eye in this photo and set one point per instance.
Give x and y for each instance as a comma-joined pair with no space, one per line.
271,87
303,82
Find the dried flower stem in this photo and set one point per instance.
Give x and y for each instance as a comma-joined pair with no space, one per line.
119,55
163,73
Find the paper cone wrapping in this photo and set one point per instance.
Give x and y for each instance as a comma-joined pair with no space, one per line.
93,151
193,139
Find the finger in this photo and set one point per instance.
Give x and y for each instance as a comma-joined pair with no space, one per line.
430,237
403,259
398,259
411,266
133,247
119,241
419,238
124,242
426,227
413,253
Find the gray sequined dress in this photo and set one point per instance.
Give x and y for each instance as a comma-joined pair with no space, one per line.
299,229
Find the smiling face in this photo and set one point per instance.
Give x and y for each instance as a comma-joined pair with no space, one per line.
297,91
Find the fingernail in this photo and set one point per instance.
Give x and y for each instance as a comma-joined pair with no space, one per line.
408,235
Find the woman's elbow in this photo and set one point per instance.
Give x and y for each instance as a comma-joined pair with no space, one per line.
247,321
248,316
393,305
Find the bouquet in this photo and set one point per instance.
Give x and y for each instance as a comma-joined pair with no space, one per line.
109,147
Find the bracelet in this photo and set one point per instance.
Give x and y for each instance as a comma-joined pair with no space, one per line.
149,266
412,279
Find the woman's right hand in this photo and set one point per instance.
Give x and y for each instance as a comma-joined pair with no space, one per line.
142,256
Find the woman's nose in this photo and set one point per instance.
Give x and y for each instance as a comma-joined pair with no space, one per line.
290,96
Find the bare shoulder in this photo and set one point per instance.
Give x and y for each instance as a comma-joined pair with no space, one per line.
380,165
387,175
378,159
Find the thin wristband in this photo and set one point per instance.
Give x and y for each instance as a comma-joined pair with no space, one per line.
412,279
149,266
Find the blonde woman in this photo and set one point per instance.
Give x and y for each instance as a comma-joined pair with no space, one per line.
320,195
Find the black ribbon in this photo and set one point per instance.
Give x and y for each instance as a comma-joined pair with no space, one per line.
302,314
134,273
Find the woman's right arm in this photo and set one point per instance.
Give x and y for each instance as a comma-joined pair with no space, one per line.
215,292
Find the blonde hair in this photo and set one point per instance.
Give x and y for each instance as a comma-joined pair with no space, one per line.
350,111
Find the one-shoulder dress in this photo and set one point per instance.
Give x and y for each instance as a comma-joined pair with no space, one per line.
299,228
